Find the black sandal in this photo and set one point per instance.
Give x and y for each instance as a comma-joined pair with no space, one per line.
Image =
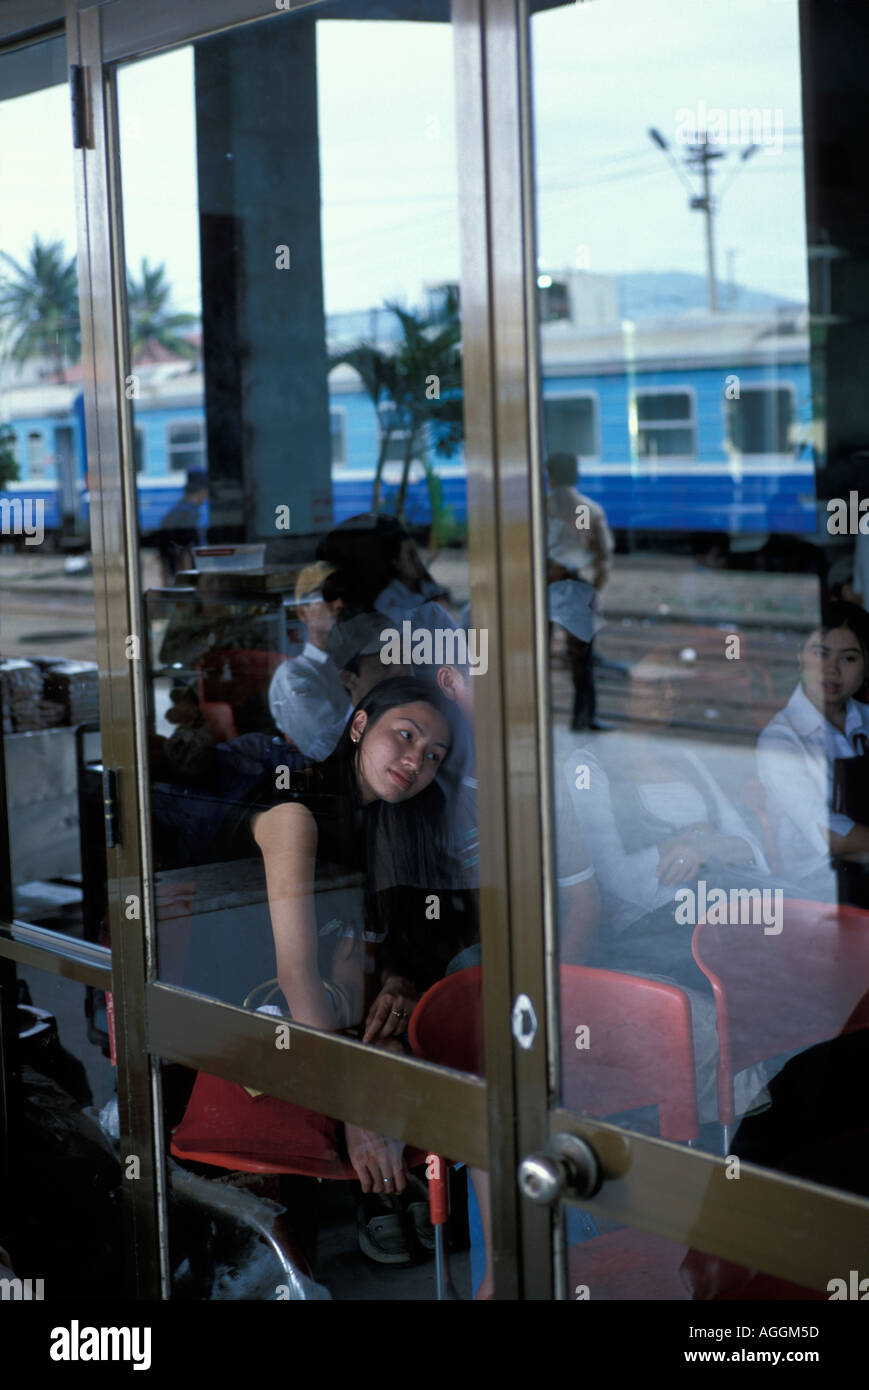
382,1233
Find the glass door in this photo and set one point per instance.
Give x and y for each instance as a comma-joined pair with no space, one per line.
702,658
291,357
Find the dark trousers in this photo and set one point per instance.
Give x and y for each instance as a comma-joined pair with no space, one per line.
581,658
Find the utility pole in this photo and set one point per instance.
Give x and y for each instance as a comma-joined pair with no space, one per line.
699,158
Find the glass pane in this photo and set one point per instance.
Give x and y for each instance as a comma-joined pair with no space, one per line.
229,1238
709,649
607,1262
51,796
65,1154
294,321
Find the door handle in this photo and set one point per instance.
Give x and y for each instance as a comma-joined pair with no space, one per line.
569,1167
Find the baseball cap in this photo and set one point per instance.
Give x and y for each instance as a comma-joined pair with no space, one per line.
357,636
310,581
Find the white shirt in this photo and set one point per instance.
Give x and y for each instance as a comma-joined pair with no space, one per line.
795,755
308,702
628,879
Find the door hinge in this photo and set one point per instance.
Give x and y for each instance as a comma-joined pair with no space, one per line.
78,96
110,807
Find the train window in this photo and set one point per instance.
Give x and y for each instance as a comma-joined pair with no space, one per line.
338,430
571,426
185,445
761,420
139,448
36,462
553,299
665,423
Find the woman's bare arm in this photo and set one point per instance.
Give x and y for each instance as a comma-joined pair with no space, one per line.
287,837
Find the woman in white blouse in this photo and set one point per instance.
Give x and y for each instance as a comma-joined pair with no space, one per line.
654,820
797,753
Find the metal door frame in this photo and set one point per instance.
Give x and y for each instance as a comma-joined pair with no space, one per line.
652,1184
679,1193
410,1100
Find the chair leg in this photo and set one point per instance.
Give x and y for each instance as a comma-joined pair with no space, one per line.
438,1201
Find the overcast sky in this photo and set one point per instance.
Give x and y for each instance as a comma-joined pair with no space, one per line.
603,73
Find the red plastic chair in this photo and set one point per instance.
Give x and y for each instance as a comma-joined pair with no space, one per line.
775,993
620,1070
640,1053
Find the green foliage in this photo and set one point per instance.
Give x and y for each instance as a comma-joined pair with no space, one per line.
151,318
402,379
39,304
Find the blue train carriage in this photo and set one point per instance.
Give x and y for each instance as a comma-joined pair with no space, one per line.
692,423
688,423
47,443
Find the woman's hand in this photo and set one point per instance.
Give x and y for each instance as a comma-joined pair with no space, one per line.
680,857
378,1162
390,1013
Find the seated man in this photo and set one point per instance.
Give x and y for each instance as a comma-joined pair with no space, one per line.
307,700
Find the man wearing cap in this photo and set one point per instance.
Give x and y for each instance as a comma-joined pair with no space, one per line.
355,648
307,699
180,530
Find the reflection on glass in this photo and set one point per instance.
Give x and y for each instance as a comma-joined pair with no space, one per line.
708,692
48,673
295,384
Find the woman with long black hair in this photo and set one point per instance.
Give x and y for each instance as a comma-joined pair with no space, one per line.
367,819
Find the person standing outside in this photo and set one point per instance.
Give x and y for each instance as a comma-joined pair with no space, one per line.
579,545
180,531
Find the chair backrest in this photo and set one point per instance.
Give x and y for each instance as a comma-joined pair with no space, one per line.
780,991
447,1024
640,1049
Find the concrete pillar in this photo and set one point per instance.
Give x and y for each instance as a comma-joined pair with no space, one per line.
263,326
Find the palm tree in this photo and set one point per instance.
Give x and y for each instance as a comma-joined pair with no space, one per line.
39,300
429,353
378,372
151,319
402,380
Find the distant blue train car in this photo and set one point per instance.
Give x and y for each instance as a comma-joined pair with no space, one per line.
693,423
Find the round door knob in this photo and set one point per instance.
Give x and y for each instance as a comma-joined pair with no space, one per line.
570,1169
542,1179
